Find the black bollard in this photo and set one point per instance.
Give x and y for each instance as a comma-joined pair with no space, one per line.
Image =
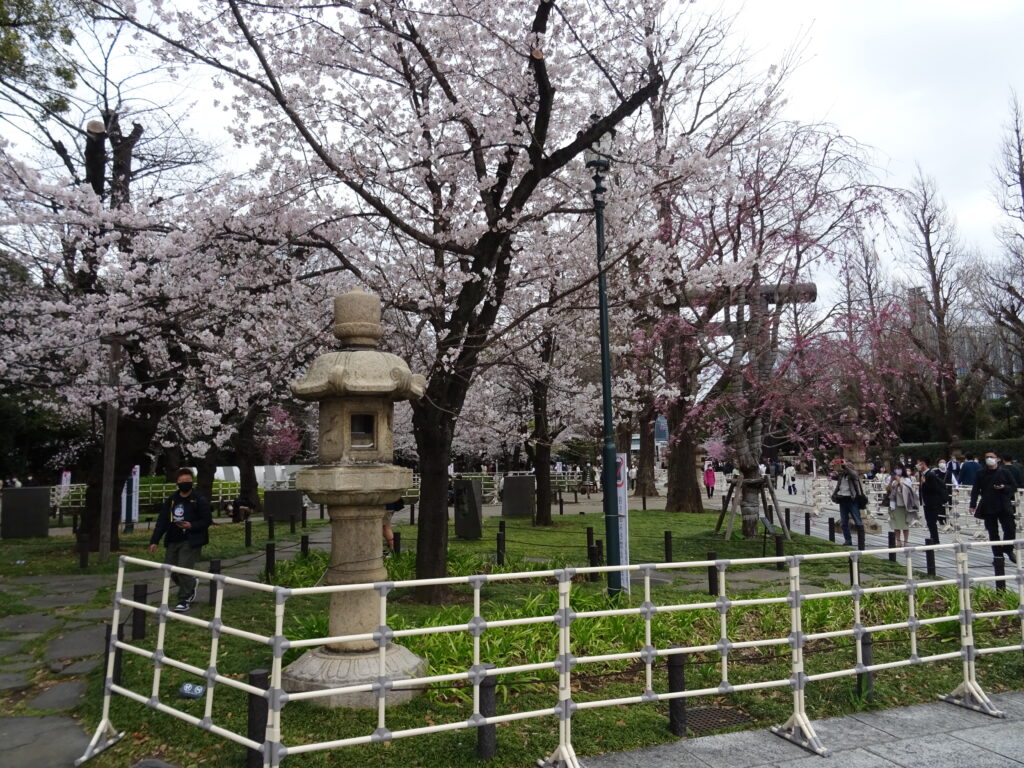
291,524
643,501
866,680
593,562
785,514
860,538
677,684
561,504
770,513
138,615
929,558
214,568
304,544
501,526
600,551
999,566
499,555
832,530
321,511
807,523
780,551
713,575
412,513
668,546
259,709
270,529
575,497
74,523
115,676
398,542
487,735
590,537
83,549
303,519
248,533
270,565
892,543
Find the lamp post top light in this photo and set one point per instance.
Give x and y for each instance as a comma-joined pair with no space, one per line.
599,154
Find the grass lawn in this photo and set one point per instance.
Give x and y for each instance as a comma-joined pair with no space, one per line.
520,743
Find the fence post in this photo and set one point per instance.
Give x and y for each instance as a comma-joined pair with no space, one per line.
412,513
780,551
999,566
291,523
712,575
860,538
248,533
807,523
214,568
892,543
321,511
832,530
561,504
499,556
398,542
259,708
74,523
866,680
139,616
593,561
770,512
303,518
270,565
304,544
83,549
487,735
668,546
600,552
676,684
116,675
270,529
590,536
929,558
643,500
501,526
786,517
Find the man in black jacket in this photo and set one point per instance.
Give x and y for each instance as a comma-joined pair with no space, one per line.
934,495
995,487
185,521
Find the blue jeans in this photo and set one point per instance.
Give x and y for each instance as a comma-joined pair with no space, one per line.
848,508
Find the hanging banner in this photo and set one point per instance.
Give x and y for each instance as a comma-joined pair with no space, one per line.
622,495
65,486
130,498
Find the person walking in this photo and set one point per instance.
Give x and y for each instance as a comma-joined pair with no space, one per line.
184,525
709,479
934,494
969,470
848,494
992,501
903,506
789,476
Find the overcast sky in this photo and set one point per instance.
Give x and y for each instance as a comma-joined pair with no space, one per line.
921,81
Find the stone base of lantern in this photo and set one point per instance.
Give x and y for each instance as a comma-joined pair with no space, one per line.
322,668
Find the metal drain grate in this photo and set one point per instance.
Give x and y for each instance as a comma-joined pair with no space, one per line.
707,719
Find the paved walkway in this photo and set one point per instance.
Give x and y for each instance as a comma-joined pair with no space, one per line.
936,735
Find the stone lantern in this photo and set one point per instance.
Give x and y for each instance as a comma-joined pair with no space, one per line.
356,388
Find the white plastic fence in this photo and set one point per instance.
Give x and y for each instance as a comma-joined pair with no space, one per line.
798,728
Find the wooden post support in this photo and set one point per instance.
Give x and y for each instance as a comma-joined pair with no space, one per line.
786,518
83,549
590,536
677,684
412,513
600,552
291,524
259,709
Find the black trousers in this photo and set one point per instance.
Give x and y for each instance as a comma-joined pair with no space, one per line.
933,515
992,523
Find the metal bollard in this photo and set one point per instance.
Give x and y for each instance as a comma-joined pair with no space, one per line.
600,551
832,530
892,543
677,684
304,544
780,551
214,569
270,529
321,511
668,546
248,533
590,537
866,680
398,542
785,515
291,523
303,518
929,558
74,523
412,513
83,549
116,675
861,544
713,575
259,709
487,735
270,565
807,523
576,497
999,566
139,595
770,512
499,555
561,504
593,562
501,526
643,501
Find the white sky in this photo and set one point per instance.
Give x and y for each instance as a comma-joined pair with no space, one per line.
920,81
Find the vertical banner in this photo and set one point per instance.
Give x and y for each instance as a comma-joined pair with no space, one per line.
622,495
130,498
65,486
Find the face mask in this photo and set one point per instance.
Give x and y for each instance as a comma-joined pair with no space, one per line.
991,462
185,487
942,466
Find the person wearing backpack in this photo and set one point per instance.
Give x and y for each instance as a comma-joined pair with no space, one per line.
184,525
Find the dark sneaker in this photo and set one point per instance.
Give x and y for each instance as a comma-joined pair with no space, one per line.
182,608
847,543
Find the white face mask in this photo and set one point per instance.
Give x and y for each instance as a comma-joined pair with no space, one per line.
991,462
942,466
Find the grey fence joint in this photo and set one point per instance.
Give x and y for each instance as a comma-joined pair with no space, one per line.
649,696
216,625
795,598
565,709
724,646
382,685
797,639
858,630
211,675
721,565
476,626
383,635
856,591
276,698
158,657
647,610
281,594
280,644
564,617
118,597
477,673
798,681
477,581
723,604
564,663
476,720
648,654
725,687
382,588
913,623
206,723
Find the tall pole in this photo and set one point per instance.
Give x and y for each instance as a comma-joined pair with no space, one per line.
109,454
609,499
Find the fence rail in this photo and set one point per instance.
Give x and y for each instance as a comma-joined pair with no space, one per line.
797,729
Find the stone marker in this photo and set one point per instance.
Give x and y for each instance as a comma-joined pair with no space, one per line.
280,506
519,496
356,389
25,513
469,511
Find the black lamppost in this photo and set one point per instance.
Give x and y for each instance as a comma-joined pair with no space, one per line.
598,160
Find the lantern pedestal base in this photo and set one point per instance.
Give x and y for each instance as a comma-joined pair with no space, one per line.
322,668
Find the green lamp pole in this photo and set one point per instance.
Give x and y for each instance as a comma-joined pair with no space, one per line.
598,159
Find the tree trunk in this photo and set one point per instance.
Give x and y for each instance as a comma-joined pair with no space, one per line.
207,468
541,452
684,492
247,455
172,462
645,485
433,425
750,501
